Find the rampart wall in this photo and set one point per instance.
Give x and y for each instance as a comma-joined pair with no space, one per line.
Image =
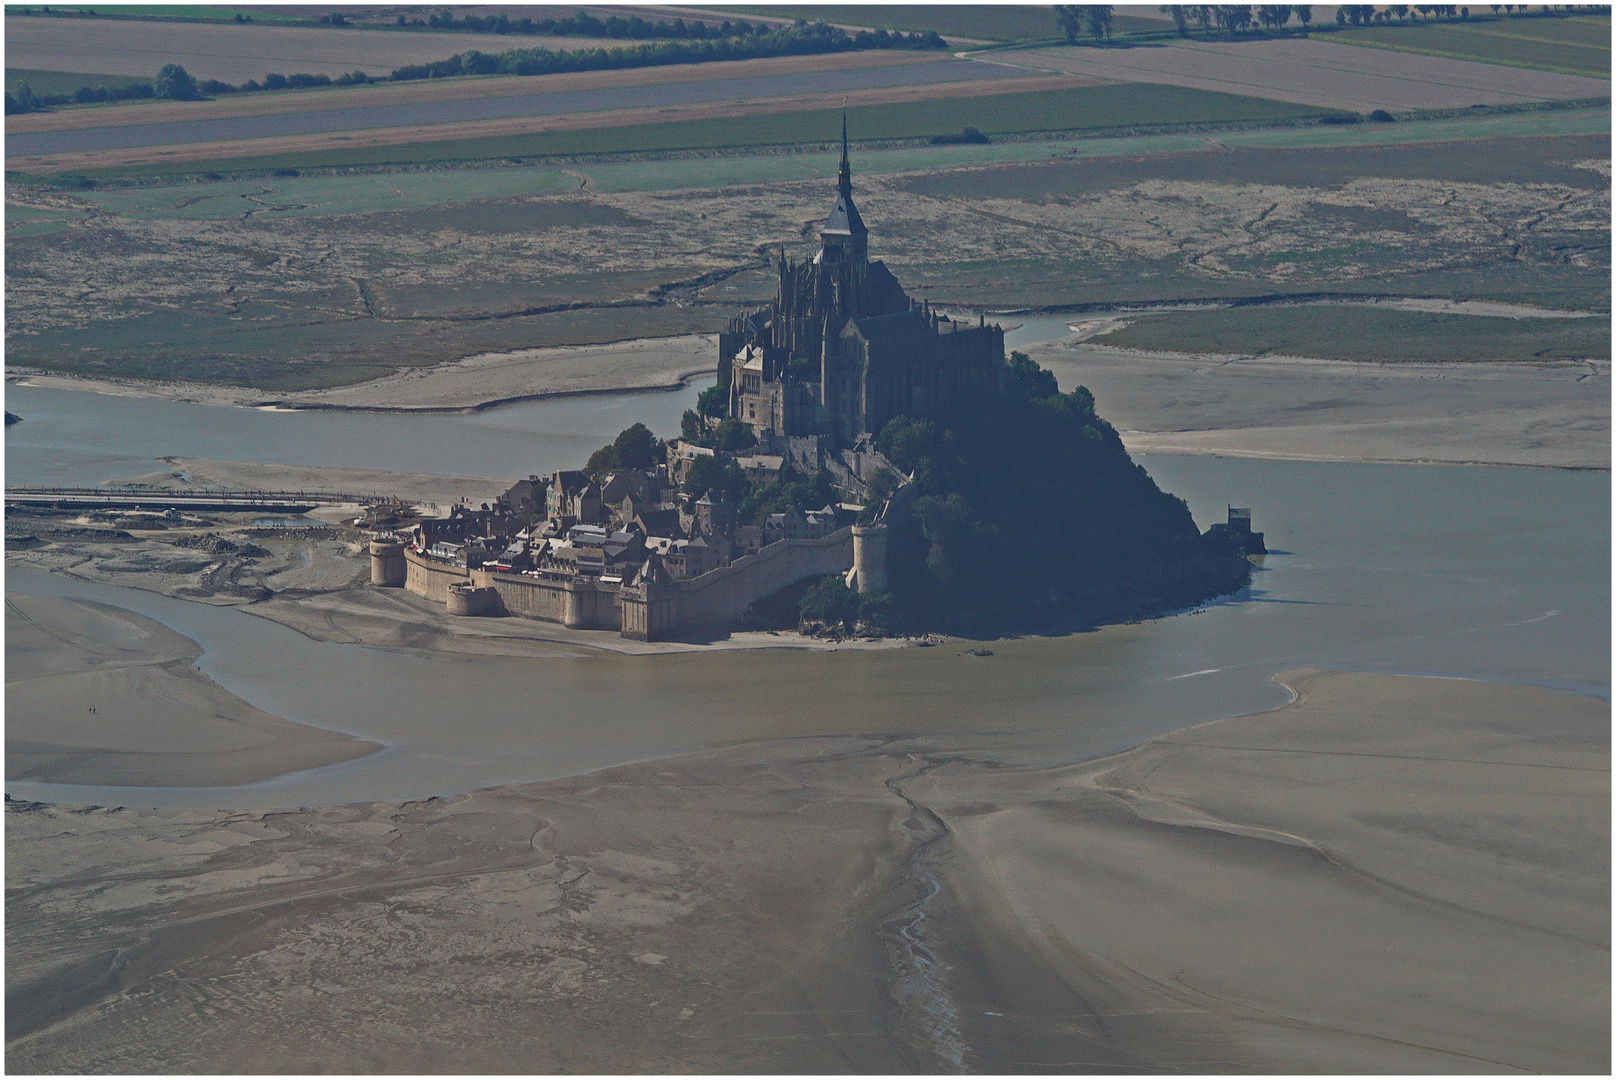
659,611
424,577
722,595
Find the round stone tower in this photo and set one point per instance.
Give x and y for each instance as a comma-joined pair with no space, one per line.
387,563
467,599
870,557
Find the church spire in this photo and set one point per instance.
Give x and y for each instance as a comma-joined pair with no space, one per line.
844,234
844,177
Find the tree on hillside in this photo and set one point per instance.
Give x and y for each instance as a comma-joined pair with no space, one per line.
1273,16
1180,19
1075,19
1097,17
634,448
1070,18
23,101
710,474
1236,17
175,83
1304,14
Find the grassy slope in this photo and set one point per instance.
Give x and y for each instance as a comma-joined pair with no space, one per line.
1077,109
1576,45
65,82
1333,332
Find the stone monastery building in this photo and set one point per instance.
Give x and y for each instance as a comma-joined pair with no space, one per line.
843,349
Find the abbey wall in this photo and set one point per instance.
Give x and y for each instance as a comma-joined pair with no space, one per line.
652,610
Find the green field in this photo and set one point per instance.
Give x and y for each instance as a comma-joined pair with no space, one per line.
1088,108
983,22
1575,45
1334,332
65,82
324,194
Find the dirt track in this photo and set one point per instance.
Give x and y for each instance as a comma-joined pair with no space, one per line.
1312,72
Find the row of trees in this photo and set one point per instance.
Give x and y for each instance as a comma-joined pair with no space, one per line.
173,83
582,24
1237,18
800,40
1077,19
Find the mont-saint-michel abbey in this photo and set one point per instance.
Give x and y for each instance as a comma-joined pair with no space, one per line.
671,540
841,352
843,349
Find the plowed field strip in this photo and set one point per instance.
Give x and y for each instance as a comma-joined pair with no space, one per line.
426,91
524,107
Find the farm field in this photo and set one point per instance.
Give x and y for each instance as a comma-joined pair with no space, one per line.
1331,332
312,281
1575,45
427,91
234,53
1315,71
727,89
316,194
980,22
716,127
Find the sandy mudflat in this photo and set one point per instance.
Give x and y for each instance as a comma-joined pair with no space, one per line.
99,695
1554,415
456,385
1393,874
206,473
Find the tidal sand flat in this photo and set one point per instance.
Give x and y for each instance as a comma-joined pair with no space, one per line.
1391,874
1546,415
96,694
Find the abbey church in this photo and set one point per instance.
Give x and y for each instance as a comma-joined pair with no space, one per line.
843,349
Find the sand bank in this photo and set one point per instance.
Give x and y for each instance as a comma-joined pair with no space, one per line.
99,695
200,474
464,385
1300,409
1296,408
1391,874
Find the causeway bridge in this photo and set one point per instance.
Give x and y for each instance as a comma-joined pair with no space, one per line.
159,499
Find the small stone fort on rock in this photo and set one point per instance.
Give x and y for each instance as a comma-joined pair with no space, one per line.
841,351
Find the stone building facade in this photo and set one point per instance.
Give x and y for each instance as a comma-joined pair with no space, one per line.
843,349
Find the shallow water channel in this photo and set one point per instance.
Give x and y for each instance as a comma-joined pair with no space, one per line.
1475,572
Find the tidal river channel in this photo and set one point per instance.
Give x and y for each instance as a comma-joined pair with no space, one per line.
1473,572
